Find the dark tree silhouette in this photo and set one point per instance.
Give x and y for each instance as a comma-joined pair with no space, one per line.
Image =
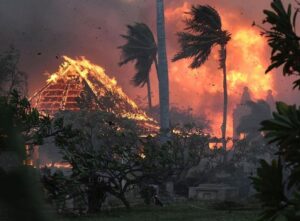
283,39
140,48
204,31
278,183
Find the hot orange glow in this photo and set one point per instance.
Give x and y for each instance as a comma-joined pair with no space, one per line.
202,88
61,90
58,165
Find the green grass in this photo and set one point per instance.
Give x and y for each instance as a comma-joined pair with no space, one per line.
177,212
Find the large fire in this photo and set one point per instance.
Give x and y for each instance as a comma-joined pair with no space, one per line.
201,89
73,75
246,63
83,67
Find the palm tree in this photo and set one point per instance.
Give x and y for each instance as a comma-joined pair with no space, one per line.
204,31
162,70
140,48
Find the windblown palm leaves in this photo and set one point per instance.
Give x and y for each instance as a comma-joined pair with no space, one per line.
283,39
140,48
204,32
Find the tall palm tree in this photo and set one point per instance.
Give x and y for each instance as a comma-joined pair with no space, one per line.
204,31
162,70
140,48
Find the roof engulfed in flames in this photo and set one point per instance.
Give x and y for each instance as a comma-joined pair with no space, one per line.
77,76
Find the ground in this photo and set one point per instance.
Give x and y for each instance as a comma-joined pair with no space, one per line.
190,211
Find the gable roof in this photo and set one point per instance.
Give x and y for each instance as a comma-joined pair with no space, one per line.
79,78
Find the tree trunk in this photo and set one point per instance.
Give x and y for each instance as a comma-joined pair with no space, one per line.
162,71
124,201
95,196
224,124
149,94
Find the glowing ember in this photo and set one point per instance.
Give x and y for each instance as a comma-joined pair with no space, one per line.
58,165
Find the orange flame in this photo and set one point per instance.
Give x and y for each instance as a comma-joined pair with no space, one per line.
96,79
246,64
58,165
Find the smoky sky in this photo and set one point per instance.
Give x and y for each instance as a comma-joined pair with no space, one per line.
44,30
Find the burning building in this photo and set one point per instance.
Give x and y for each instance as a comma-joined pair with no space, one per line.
80,84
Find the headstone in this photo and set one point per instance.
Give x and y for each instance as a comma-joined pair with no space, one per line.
170,188
219,192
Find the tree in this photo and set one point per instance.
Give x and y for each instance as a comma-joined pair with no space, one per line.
204,31
283,39
11,78
162,71
104,156
191,144
141,48
182,116
18,118
278,184
109,156
20,125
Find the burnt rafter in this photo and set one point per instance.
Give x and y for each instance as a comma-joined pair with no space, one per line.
80,84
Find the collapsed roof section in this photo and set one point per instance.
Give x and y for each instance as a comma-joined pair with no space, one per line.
80,84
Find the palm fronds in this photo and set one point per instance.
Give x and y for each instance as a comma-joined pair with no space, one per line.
204,31
140,48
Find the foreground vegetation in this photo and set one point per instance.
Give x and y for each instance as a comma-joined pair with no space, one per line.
109,155
184,211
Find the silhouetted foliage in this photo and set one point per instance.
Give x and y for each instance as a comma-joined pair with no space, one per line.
19,119
107,154
269,185
283,39
278,183
140,48
204,31
110,155
20,194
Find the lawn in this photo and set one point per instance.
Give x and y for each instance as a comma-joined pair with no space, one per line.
191,211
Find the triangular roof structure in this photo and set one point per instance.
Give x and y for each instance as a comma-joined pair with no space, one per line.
79,78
